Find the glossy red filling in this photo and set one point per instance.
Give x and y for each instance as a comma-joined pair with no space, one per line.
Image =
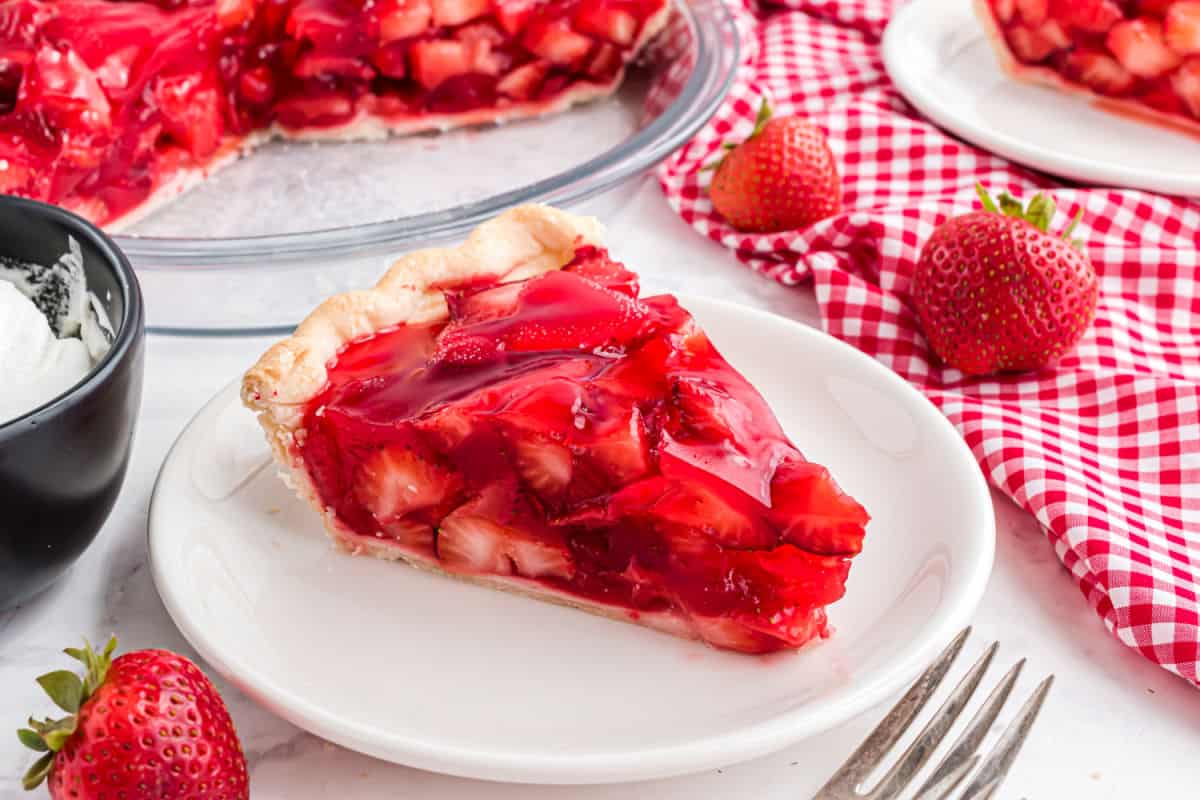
103,102
1147,51
565,432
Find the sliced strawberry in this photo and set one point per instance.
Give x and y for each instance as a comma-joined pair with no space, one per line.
191,113
456,12
554,406
474,539
480,32
595,264
470,543
1033,45
601,19
811,511
316,64
574,314
392,59
1004,10
1138,44
1181,27
409,533
732,634
544,465
697,410
115,70
791,626
403,19
524,81
232,13
1096,16
790,576
397,481
1186,83
479,305
66,85
257,86
557,43
436,61
15,178
514,15
725,518
1033,12
605,63
448,426
328,25
621,448
314,109
1098,71
540,558
687,545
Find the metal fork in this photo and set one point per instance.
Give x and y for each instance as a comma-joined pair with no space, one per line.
958,763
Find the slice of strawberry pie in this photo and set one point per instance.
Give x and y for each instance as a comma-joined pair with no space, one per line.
109,108
513,413
1137,57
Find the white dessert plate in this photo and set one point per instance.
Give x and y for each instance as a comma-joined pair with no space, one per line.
936,53
438,674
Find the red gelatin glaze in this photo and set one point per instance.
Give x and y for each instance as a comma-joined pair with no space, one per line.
560,430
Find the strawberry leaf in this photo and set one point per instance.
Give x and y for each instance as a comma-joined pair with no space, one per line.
762,118
64,688
56,738
32,740
1076,243
96,664
1011,206
53,732
986,199
38,772
68,692
760,122
1040,212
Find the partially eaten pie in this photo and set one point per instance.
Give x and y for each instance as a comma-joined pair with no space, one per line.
512,412
1137,57
109,108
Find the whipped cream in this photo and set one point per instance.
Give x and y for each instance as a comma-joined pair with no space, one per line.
52,331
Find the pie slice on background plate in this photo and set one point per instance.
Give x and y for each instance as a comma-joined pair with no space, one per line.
1140,58
111,108
513,413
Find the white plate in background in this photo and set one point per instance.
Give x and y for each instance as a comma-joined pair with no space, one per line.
937,54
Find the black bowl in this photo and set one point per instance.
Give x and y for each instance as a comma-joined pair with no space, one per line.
62,464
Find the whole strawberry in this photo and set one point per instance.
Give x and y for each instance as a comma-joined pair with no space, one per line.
996,291
147,725
782,178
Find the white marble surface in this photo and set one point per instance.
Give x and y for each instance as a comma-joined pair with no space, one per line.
1115,726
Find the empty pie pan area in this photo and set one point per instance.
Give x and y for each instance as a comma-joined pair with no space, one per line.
260,243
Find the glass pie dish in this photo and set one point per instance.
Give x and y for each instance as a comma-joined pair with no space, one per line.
256,246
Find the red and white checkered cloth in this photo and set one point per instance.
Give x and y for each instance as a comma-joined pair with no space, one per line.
1103,448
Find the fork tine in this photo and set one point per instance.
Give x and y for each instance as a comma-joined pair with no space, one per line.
947,782
888,732
917,753
969,740
998,762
